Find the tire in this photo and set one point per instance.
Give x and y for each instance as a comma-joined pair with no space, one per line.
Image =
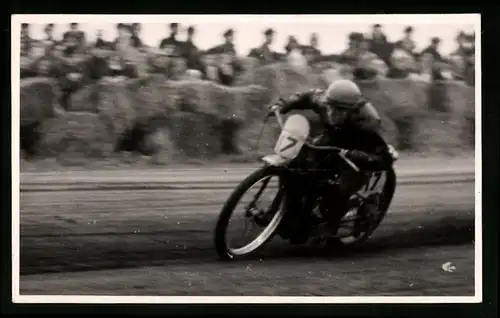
221,247
389,190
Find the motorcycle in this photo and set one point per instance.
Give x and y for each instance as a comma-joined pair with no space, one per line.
354,229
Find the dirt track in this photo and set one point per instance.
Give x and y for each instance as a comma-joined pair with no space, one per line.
159,242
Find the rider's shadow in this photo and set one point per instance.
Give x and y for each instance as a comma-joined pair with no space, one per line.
389,237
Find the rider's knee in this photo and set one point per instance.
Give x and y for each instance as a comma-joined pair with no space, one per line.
350,180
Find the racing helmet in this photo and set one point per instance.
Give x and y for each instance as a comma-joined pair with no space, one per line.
343,94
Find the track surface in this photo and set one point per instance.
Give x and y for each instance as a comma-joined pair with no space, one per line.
159,242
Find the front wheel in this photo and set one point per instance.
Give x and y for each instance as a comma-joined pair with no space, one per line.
268,219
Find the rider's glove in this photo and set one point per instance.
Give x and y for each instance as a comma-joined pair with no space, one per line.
393,152
366,160
276,106
358,155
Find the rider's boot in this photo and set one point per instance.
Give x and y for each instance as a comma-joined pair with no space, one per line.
292,205
301,223
337,210
299,227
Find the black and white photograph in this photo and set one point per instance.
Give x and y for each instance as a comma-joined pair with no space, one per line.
246,158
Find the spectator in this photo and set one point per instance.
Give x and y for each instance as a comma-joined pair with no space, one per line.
128,60
26,40
368,63
74,39
98,62
49,35
124,38
291,45
136,34
465,43
227,47
408,43
227,66
402,60
432,49
171,45
48,65
64,60
294,55
71,53
463,58
97,65
123,45
430,60
121,67
100,43
264,52
363,44
350,56
189,44
44,47
379,44
70,69
311,51
218,67
191,52
226,71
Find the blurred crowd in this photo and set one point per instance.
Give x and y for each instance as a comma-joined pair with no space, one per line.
76,62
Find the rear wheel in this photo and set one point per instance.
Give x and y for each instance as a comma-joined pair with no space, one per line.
384,200
266,218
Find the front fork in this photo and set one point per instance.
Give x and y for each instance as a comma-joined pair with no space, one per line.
251,209
263,217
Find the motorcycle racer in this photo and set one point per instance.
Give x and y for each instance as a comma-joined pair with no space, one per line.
349,121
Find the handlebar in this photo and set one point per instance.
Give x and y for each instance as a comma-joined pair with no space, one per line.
341,151
309,144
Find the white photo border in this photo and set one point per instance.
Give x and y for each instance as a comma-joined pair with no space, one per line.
473,19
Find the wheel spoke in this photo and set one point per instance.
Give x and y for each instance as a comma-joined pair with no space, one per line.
368,192
248,226
252,204
271,217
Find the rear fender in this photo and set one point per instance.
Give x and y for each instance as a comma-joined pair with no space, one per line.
390,186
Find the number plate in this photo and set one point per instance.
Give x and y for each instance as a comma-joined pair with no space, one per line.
292,138
375,184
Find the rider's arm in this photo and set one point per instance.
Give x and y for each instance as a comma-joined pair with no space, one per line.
300,101
369,117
